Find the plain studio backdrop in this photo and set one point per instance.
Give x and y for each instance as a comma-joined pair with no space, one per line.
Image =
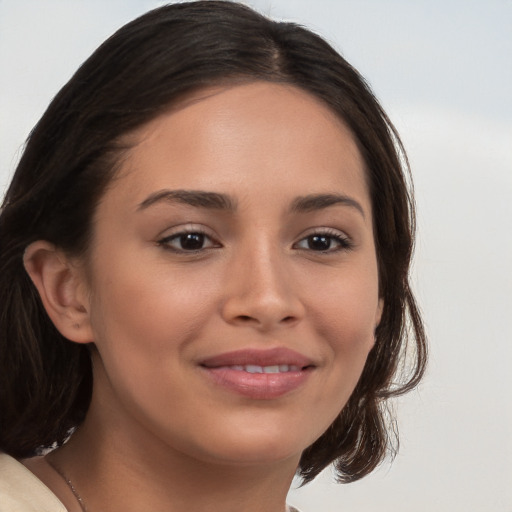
443,71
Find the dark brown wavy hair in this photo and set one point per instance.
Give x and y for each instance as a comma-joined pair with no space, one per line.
71,156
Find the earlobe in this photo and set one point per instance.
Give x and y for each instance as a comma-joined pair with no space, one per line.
60,284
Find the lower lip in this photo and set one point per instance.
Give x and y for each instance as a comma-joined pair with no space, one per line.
259,386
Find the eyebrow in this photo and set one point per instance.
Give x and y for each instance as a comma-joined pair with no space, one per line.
313,202
197,198
217,201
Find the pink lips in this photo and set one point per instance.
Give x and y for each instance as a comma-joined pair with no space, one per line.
259,374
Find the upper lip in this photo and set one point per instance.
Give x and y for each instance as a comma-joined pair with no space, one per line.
259,357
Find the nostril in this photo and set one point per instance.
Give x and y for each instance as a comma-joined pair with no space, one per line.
245,318
288,319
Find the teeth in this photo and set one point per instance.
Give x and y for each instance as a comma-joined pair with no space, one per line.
253,368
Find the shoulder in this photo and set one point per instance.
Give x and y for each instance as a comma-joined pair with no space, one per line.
21,491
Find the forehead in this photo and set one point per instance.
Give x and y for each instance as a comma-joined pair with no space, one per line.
259,136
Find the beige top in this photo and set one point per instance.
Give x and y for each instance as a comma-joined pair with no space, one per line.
22,491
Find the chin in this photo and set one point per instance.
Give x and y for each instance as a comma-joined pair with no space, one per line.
260,447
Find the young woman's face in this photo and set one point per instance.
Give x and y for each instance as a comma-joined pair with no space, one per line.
233,277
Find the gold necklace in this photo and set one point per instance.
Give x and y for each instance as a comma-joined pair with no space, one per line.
69,484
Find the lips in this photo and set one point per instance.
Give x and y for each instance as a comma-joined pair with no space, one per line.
259,374
271,357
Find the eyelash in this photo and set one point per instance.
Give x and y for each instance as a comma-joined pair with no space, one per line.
166,241
343,243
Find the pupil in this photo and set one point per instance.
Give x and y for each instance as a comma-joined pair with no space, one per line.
192,241
319,243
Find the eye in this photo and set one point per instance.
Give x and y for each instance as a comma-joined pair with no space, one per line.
324,242
188,241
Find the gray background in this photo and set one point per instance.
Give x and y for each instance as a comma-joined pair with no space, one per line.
443,71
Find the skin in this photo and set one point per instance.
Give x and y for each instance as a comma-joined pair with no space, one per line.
159,434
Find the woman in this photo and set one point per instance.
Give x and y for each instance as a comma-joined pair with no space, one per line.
204,259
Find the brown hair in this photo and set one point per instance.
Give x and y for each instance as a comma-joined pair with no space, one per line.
70,157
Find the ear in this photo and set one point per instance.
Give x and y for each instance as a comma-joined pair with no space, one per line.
378,316
62,288
378,312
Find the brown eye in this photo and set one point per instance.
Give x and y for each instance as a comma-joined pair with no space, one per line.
319,242
192,241
324,242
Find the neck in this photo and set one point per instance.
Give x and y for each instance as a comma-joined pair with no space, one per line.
128,470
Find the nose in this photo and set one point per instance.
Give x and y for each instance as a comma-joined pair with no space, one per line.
261,292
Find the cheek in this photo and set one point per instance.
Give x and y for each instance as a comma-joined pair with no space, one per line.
346,314
143,323
146,315
349,308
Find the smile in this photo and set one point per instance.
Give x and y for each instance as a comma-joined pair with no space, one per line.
253,368
258,374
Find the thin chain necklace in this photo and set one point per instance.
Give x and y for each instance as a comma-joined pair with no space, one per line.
80,500
69,484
